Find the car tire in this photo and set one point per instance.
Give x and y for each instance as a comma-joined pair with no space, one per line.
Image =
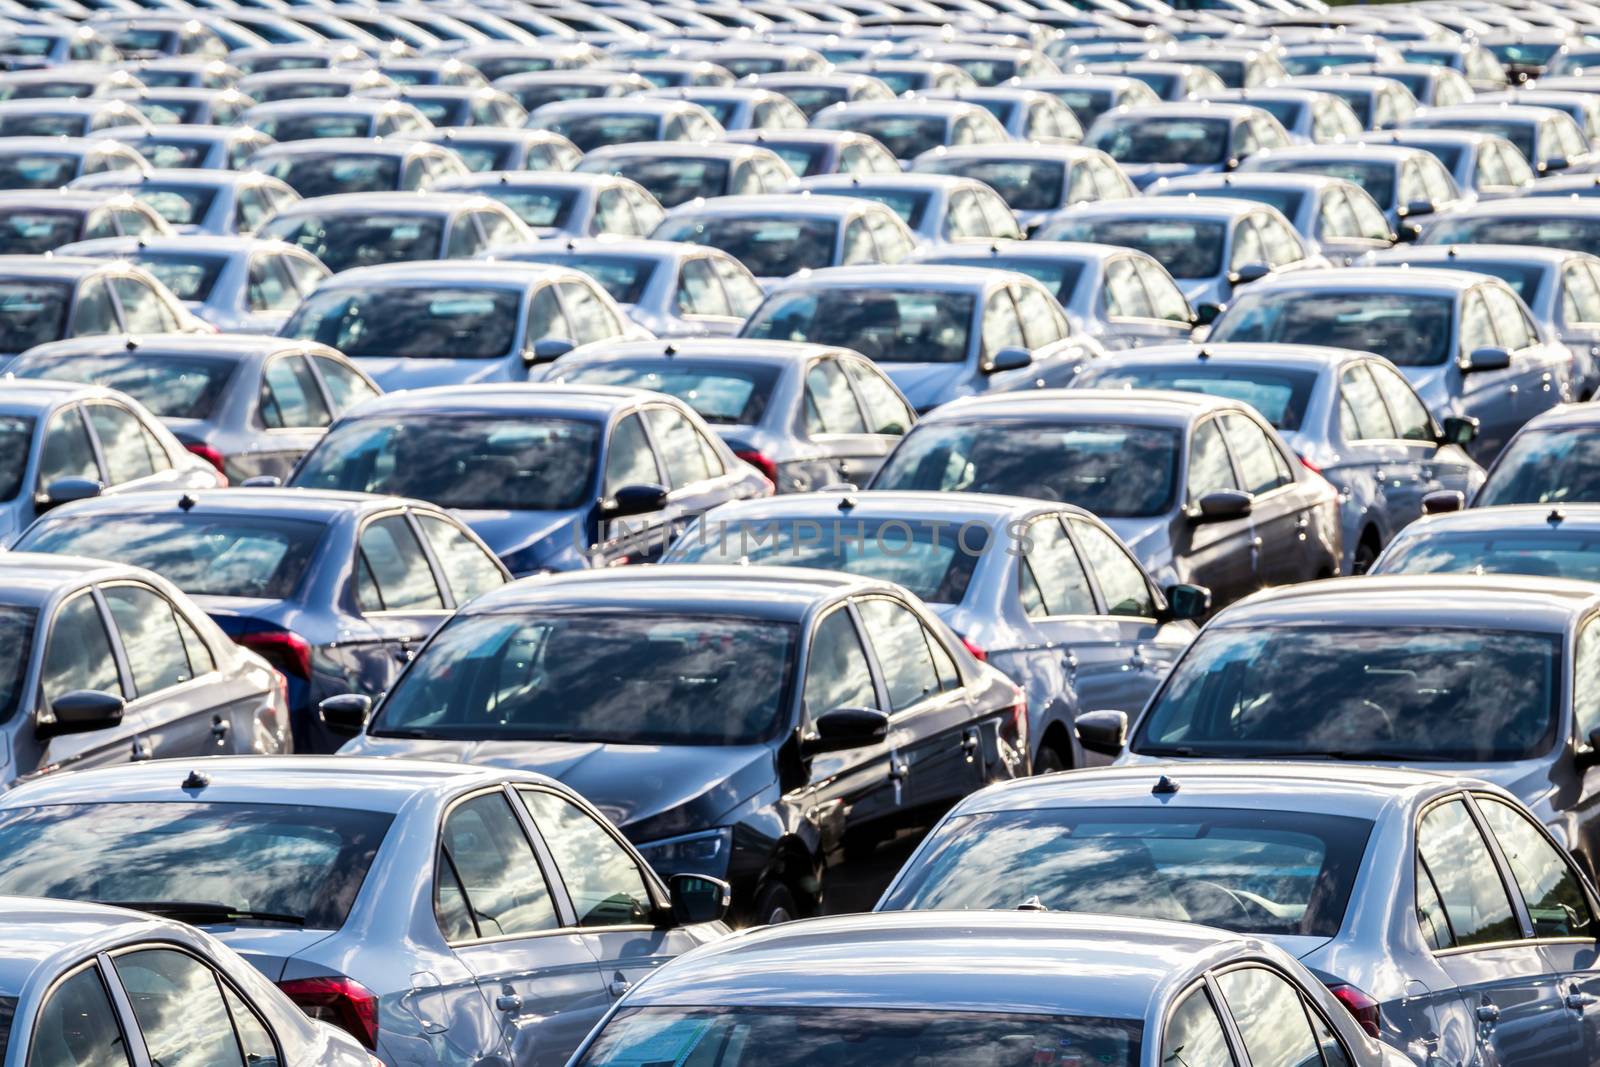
1366,553
1049,760
774,904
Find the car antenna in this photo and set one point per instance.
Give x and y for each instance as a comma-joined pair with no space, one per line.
1556,516
1165,785
1203,354
670,350
1033,903
846,503
185,502
196,780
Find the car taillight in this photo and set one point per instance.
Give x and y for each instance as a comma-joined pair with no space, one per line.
1014,727
977,653
1308,465
1363,1007
761,462
289,652
344,1002
211,456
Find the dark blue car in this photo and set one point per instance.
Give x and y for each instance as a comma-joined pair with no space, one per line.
333,589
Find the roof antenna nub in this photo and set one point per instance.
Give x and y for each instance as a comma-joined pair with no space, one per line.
196,780
1204,353
846,503
185,502
1164,785
1556,516
1033,903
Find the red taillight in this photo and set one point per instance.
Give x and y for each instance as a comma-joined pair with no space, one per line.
1363,1007
761,462
977,653
343,1002
289,652
1308,465
1014,728
211,456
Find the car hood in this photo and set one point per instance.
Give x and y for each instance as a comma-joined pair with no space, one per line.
546,533
649,791
928,385
397,373
1147,174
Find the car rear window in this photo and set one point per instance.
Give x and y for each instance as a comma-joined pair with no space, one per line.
720,394
172,387
1279,395
190,277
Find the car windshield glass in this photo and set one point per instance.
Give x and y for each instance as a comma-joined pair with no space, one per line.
934,560
1287,201
1523,277
488,155
475,463
1411,330
399,322
642,678
26,45
1450,155
901,82
1060,276
624,277
189,276
536,207
32,313
768,247
1188,248
812,99
835,1037
1575,234
181,205
37,232
1545,467
440,112
171,153
315,127
1535,53
1287,112
286,864
1355,692
910,206
805,160
1163,140
1376,178
885,325
675,181
1086,104
36,170
595,131
1279,395
1024,186
347,241
906,136
172,387
1252,871
204,555
720,392
42,124
327,175
1112,470
1549,553
1520,134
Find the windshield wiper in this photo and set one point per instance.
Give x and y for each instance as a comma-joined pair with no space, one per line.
202,913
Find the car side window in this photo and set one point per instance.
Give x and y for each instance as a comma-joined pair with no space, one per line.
148,627
1586,681
1247,245
1510,321
899,639
1491,169
1001,326
1121,581
1082,188
130,450
886,412
837,675
1125,294
1410,417
1477,330
1460,871
680,447
1436,180
1283,247
67,450
603,880
468,569
1002,223
893,244
78,654
142,309
1194,1036
290,397
251,208
1373,223
699,291
401,577
1550,886
1252,450
858,246
1166,299
492,864
1362,416
304,272
830,406
965,217
345,386
629,460
1209,467
1052,578
270,288
465,241
1271,1016
179,1004
612,215
93,314
1580,296
743,291
546,320
99,225
78,1027
1041,324
591,320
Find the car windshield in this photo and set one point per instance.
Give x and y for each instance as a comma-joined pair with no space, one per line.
813,98
475,463
1287,201
840,1037
204,555
641,678
1436,693
536,207
1570,232
1163,140
1520,134
189,276
672,180
171,153
1376,178
1251,870
1060,276
806,160
721,393
589,132
533,97
885,325
1023,185
487,155
181,205
1546,467
1287,112
934,560
440,112
1413,330
234,863
901,82
906,136
395,322
1188,248
1280,395
768,247
327,175
1536,53
37,170
1549,553
1525,278
910,206
1086,104
42,124
624,277
37,232
32,313
172,387
1112,470
315,127
345,241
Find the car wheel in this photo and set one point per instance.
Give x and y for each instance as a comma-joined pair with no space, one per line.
774,905
1366,553
1048,760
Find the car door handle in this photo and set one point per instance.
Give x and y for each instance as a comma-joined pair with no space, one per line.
970,742
508,1002
1577,1000
1488,1013
141,750
619,986
404,652
219,728
898,769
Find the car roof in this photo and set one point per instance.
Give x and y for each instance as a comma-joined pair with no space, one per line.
1255,179
673,150
344,146
124,180
1509,517
1517,602
1205,109
236,346
729,349
1516,112
810,135
593,402
1389,153
1525,254
96,141
907,275
1164,207
1308,357
49,268
1158,406
57,199
526,179
30,579
207,243
1403,279
39,929
1520,207
892,504
406,203
317,505
1048,153
653,105
900,105
910,181
322,105
776,204
499,274
1566,416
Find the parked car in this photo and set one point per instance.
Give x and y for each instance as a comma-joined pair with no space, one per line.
329,166
675,172
1306,115
811,152
1547,138
352,230
541,896
1147,992
813,91
1035,181
764,744
1174,83
67,118
1092,95
1485,166
81,977
1171,140
591,124
217,203
564,203
1218,501
908,77
1396,889
483,148
1547,462
937,208
1535,539
51,162
50,298
551,477
908,128
535,88
1564,222
33,222
462,105
1380,103
737,107
217,147
1333,217
1407,183
324,117
201,107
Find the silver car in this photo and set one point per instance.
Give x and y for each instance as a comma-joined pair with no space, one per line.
1306,115
909,128
1334,217
1409,184
483,148
372,229
676,172
218,203
51,162
329,166
1035,181
564,203
443,915
222,147
938,209
811,152
47,298
1485,166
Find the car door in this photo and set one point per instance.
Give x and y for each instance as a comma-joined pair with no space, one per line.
1149,645
697,479
292,414
1430,466
343,385
79,655
141,308
701,302
1505,992
187,1012
468,567
66,450
1578,312
131,457
610,896
270,293
93,315
888,416
1219,555
1282,511
397,592
495,906
630,462
1194,1034
1275,1021
1539,379
78,1024
836,426
1486,395
1058,599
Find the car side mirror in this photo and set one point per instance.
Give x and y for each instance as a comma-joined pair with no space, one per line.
1009,358
1250,272
261,481
547,351
1459,430
66,490
1413,208
1554,163
82,711
844,728
1222,505
1103,732
1443,501
1186,602
1206,314
698,899
346,714
1489,357
634,500
1231,164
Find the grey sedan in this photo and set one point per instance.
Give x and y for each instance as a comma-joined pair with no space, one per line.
1538,539
563,203
1034,180
210,202
369,229
675,172
1551,460
1334,217
938,209
1408,183
328,166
